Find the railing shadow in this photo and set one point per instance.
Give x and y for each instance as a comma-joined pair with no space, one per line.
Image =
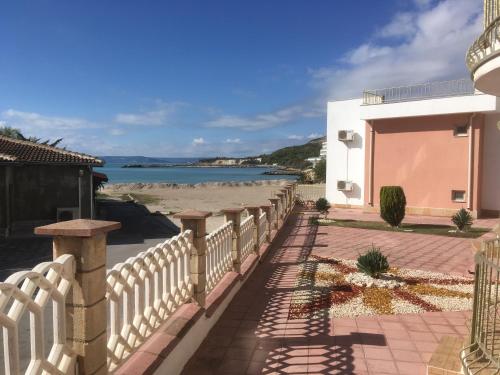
258,330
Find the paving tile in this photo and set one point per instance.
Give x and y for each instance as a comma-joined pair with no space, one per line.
256,336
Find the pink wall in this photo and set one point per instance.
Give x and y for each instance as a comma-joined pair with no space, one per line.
423,156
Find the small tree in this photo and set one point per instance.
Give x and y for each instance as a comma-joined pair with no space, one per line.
392,205
322,205
462,219
320,171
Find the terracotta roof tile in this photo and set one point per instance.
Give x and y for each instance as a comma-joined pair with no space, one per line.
14,150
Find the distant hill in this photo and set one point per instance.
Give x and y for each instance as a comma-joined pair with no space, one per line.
295,156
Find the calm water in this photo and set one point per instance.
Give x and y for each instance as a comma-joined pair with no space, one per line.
181,175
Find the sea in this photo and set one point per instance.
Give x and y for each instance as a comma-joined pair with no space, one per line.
180,174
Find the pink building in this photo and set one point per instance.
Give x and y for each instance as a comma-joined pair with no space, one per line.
440,142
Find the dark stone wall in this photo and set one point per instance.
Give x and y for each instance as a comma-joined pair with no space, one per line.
38,190
3,201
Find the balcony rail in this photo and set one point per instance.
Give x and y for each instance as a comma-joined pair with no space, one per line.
145,291
219,257
35,293
483,352
484,48
247,237
423,91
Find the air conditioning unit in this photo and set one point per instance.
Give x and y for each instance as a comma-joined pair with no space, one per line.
67,213
344,185
346,135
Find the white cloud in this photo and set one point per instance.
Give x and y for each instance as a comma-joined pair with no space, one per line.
314,136
295,137
36,121
402,25
156,117
433,48
116,132
198,141
265,120
233,140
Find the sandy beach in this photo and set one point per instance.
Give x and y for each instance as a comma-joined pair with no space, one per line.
172,198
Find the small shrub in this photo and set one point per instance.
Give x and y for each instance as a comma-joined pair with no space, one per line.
320,171
392,205
462,219
322,205
373,263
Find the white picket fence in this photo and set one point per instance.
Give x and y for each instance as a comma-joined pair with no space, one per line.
32,294
311,192
145,291
219,254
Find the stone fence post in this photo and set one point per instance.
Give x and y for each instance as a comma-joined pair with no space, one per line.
276,203
285,200
196,221
267,209
255,211
234,215
86,313
281,197
291,193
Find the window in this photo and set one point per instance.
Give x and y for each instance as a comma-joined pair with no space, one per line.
458,196
461,131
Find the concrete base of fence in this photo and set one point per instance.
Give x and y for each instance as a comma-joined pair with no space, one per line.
169,349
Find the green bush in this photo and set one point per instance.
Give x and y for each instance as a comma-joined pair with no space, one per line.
373,263
322,205
320,171
392,205
462,219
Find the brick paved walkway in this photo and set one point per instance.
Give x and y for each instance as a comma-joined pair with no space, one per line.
255,336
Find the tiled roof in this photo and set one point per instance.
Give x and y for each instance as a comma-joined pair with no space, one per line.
14,150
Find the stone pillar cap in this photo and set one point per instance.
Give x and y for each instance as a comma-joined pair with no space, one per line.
266,205
78,228
252,207
233,210
274,199
193,215
280,194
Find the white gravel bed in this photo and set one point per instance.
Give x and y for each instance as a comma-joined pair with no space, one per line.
355,307
404,272
449,303
400,306
384,281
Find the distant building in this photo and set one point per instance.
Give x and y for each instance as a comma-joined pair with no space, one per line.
322,155
439,141
40,183
225,162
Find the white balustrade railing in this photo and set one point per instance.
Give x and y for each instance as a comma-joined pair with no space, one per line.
144,291
262,228
37,345
247,228
308,193
219,254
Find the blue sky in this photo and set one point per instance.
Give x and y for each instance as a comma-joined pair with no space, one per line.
206,78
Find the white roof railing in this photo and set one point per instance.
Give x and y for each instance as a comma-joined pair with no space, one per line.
422,91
